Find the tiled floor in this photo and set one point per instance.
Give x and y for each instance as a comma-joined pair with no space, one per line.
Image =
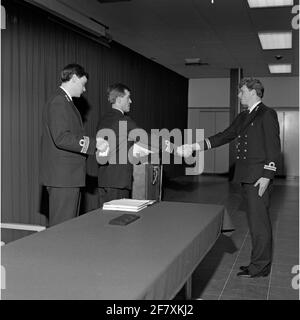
215,277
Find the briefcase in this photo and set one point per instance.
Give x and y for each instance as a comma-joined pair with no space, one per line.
147,182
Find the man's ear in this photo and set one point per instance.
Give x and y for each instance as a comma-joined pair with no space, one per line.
74,78
118,100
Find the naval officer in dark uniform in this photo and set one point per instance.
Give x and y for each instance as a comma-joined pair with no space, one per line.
115,180
65,146
256,131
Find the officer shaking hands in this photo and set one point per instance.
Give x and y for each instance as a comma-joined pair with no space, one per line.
256,131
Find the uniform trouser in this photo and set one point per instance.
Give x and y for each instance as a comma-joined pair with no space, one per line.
64,204
108,194
260,228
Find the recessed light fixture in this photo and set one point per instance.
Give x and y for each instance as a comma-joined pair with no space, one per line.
275,40
270,3
194,62
280,68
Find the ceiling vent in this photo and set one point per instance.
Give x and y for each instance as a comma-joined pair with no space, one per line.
194,62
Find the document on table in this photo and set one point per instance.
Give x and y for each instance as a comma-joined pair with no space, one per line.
132,205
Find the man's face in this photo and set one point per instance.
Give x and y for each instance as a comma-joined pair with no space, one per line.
245,95
125,101
79,85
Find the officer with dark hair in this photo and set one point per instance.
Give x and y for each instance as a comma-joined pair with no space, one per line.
65,146
115,180
256,131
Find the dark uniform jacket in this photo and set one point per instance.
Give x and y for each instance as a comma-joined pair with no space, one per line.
64,145
257,143
115,174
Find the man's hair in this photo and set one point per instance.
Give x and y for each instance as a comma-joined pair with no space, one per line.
255,84
116,90
71,69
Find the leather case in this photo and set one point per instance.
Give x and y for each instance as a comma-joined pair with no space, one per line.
124,219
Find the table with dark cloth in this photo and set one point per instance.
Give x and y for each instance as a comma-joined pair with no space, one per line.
87,258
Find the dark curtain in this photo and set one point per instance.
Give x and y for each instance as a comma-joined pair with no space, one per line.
34,50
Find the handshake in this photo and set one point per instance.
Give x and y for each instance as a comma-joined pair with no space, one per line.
186,150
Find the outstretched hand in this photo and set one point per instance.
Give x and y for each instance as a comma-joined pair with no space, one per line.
102,146
185,150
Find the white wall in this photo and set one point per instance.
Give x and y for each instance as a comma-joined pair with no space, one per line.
215,92
281,91
206,93
206,97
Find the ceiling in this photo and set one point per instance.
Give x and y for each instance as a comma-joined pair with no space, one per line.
222,34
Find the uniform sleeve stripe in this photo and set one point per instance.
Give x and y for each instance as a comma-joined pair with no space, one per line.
208,143
270,166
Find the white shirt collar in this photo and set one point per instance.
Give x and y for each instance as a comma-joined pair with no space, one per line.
254,106
67,93
118,110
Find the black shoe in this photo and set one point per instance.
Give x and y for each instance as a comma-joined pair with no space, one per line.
247,274
244,273
243,268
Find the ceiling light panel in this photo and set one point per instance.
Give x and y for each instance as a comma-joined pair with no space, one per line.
275,40
280,68
269,3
